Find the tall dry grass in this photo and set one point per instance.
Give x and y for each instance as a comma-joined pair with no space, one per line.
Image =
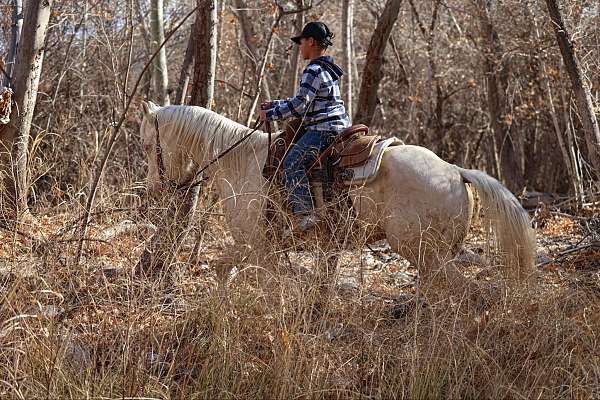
101,331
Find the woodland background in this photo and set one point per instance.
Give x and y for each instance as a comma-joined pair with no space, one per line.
437,71
493,85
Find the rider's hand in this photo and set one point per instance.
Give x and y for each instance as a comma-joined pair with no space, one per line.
266,105
262,116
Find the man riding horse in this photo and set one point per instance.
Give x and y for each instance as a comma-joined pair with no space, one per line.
319,105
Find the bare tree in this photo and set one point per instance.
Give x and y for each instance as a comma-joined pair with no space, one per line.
186,67
292,82
15,35
372,74
347,50
159,71
26,77
182,211
581,90
205,57
496,73
569,162
261,70
249,36
435,120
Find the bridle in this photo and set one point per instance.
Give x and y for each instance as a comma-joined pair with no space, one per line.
159,157
197,178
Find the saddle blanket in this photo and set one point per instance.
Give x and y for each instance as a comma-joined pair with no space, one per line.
367,172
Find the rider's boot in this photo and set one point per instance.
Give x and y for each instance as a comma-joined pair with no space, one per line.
306,222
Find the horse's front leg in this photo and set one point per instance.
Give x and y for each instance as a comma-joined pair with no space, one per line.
173,218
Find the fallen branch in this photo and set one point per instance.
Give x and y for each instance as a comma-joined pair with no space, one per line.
123,228
570,251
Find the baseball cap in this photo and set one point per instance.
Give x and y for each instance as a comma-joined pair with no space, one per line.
316,30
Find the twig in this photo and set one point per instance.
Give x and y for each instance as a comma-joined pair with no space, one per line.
12,230
115,136
231,85
261,72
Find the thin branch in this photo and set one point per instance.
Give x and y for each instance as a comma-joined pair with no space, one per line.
115,136
234,87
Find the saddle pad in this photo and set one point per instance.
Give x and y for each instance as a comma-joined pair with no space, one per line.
367,172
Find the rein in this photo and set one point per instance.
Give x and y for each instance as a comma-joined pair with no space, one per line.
196,179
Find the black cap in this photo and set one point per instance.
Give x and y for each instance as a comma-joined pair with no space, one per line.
316,30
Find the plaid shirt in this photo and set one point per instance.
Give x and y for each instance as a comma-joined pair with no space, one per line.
318,101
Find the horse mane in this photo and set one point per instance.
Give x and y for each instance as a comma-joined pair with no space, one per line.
204,134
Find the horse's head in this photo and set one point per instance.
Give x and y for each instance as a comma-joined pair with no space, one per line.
148,136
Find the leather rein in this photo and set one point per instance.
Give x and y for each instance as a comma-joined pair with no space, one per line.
195,179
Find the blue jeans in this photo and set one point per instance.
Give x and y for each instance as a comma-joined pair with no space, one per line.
297,161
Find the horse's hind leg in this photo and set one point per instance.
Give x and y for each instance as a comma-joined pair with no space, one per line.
430,253
440,278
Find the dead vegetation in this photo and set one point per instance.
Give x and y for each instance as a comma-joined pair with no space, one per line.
98,330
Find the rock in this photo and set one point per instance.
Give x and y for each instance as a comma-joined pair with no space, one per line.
469,257
75,354
51,311
400,278
347,284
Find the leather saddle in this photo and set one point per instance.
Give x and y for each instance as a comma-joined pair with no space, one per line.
351,148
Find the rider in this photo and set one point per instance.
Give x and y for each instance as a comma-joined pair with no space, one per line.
318,103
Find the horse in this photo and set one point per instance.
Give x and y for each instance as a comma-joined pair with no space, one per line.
422,204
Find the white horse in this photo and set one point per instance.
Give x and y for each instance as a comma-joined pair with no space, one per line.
421,203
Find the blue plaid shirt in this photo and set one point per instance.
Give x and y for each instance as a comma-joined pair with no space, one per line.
318,101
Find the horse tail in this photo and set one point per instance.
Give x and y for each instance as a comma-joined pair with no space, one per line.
508,219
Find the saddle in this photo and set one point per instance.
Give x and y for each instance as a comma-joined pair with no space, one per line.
351,148
353,159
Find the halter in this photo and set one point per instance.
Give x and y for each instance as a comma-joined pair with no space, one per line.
195,179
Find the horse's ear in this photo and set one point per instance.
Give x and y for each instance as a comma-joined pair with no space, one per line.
153,107
148,108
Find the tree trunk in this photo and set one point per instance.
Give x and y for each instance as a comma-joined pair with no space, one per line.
250,40
292,82
581,90
435,119
26,77
84,35
146,85
546,89
186,67
15,36
164,244
497,79
205,57
372,74
347,49
159,65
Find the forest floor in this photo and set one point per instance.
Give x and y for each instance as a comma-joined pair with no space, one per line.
97,330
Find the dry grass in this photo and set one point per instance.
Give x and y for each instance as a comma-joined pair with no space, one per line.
98,331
